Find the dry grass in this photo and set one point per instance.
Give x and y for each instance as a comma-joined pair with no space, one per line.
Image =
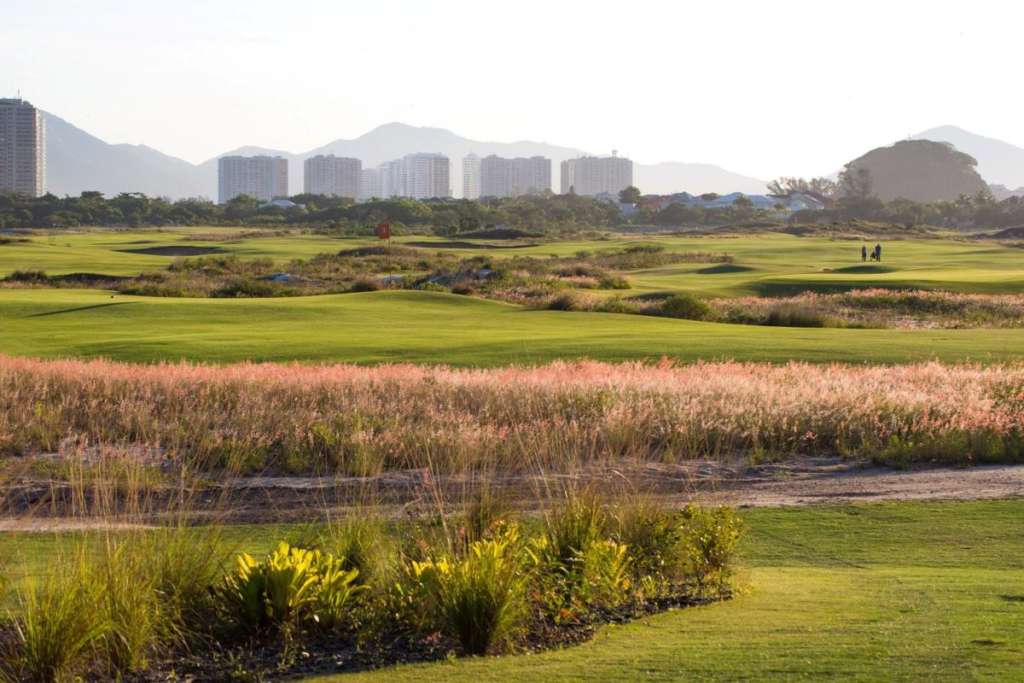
362,420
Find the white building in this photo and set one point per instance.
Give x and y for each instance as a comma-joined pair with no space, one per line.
471,176
333,176
501,177
416,176
369,186
262,177
22,148
592,176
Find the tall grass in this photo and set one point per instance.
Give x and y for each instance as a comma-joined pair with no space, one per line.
356,420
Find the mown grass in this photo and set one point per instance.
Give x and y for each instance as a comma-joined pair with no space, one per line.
423,327
768,264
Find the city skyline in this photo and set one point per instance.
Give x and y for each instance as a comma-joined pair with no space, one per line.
780,106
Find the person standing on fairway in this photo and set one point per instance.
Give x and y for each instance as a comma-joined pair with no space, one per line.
878,252
864,252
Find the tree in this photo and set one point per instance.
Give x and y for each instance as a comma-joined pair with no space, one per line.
630,195
822,189
856,183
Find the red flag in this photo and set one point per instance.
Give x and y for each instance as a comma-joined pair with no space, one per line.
384,231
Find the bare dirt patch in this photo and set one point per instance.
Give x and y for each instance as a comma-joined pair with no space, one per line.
37,505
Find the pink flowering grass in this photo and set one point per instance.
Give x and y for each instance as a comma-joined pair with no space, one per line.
365,420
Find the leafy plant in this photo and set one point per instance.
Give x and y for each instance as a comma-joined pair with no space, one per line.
478,599
290,587
709,538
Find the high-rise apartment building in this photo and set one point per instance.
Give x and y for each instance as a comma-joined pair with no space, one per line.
22,148
471,176
416,176
333,176
262,177
596,175
500,177
426,176
369,186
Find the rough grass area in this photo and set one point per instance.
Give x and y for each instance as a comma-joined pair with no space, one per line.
353,420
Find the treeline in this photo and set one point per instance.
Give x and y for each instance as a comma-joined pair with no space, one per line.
547,212
980,211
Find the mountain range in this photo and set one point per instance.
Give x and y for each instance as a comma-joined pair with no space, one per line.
78,161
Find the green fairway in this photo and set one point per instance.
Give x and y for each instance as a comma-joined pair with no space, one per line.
433,328
763,264
910,592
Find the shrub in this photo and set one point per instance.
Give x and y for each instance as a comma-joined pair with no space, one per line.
132,609
709,538
787,315
569,301
365,285
651,532
615,305
478,599
572,526
613,282
685,306
60,624
290,588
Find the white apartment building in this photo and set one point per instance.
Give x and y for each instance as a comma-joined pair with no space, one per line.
369,186
262,177
22,148
592,176
501,177
471,176
333,176
416,176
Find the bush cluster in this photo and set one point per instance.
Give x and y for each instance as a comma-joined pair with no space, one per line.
481,582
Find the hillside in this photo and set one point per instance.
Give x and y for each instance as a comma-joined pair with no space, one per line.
920,170
999,163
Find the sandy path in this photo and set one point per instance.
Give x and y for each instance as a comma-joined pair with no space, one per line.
810,481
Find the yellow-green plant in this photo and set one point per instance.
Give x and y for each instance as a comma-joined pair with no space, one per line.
478,598
709,537
290,587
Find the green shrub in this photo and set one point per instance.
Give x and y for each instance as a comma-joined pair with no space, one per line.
709,538
788,315
569,301
613,282
132,609
61,623
684,306
572,526
365,285
651,532
290,588
478,599
615,305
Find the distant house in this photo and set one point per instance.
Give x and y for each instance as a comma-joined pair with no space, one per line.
282,204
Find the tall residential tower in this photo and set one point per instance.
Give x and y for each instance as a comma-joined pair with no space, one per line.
262,177
22,148
500,177
333,176
596,175
471,176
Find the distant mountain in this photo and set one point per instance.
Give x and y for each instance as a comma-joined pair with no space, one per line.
671,177
999,163
920,170
78,161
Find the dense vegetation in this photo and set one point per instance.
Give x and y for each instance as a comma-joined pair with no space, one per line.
350,420
363,592
547,212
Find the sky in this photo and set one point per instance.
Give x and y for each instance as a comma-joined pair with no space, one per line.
764,89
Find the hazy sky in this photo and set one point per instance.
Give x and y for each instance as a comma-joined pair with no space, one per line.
762,88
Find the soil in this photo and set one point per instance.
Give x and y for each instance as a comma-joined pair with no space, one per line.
41,505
